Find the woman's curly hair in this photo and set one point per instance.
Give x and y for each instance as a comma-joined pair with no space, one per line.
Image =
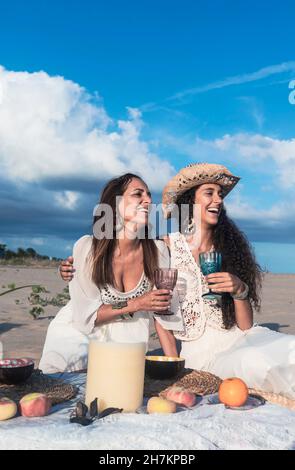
237,256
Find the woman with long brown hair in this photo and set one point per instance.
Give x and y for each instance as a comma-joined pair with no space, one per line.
112,295
219,335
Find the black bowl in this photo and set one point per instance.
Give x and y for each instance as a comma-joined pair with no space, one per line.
15,371
163,367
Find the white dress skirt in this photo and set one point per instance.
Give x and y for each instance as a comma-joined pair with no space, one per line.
68,335
263,358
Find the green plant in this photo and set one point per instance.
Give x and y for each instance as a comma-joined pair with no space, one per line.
39,289
12,289
60,300
38,302
36,312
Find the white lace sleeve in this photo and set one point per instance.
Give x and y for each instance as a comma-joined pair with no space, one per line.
85,295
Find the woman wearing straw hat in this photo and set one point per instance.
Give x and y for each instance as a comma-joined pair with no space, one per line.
218,334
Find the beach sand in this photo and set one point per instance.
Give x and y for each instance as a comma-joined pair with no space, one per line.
21,335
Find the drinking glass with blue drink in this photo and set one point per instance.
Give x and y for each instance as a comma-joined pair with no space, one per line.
210,262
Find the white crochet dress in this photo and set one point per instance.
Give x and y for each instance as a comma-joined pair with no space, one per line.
263,358
66,344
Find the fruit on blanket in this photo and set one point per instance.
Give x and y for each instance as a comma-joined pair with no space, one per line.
35,405
181,396
160,405
233,392
8,408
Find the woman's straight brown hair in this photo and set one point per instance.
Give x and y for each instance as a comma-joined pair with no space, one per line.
103,249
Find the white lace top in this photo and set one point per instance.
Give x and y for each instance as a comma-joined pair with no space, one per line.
196,311
86,298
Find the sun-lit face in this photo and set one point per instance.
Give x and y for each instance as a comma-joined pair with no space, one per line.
135,202
210,197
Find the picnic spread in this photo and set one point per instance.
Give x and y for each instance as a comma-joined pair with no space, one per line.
208,424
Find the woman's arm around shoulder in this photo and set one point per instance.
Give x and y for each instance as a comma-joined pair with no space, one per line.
66,267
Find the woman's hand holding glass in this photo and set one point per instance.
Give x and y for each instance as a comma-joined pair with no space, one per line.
225,282
157,300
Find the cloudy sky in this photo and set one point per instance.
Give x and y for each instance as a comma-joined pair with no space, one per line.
90,90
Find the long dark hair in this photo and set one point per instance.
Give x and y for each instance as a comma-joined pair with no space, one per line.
237,257
103,249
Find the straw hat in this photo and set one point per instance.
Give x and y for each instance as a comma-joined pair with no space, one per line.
195,175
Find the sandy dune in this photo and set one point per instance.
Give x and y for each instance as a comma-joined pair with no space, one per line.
21,335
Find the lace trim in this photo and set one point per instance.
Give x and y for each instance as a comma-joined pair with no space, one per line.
196,311
110,296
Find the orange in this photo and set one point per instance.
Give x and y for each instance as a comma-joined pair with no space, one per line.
233,392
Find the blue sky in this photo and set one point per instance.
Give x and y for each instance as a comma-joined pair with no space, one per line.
89,90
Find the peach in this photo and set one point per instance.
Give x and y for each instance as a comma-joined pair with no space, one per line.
181,396
8,409
160,405
35,405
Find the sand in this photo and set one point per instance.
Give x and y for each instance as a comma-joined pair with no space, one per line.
21,335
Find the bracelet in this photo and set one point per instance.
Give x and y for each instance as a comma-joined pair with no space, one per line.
126,316
119,305
243,295
122,304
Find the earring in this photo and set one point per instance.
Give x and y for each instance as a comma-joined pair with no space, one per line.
191,228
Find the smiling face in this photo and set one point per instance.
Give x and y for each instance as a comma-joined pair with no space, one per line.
135,202
210,197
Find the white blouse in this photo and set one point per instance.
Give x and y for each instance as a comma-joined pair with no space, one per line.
86,297
68,334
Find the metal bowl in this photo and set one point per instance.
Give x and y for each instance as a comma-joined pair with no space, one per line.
15,371
163,367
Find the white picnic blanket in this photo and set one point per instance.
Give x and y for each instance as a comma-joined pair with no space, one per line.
204,427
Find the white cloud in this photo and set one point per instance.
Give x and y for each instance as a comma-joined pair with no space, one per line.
274,158
67,199
257,149
277,214
186,95
260,74
50,128
38,241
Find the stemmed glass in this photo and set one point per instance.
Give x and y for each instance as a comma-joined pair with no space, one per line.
210,262
165,278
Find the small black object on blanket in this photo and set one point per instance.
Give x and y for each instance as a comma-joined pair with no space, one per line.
81,416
